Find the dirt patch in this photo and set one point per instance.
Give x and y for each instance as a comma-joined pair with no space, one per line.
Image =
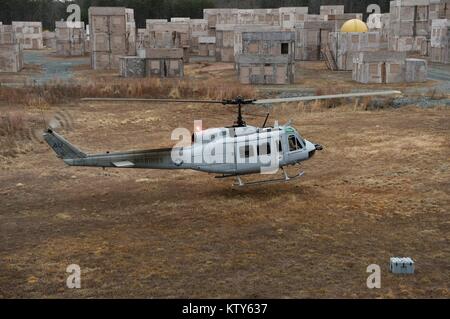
379,189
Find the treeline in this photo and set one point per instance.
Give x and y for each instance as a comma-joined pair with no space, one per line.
49,11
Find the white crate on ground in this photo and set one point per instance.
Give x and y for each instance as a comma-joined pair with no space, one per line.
401,265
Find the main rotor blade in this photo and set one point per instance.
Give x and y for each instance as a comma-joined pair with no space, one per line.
324,97
110,99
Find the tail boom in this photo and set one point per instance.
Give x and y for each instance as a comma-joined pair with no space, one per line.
150,159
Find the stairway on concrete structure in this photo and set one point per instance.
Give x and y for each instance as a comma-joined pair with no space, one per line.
329,59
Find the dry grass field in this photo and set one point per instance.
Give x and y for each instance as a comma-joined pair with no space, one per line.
380,188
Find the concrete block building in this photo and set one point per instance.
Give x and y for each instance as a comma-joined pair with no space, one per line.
325,10
378,67
267,58
28,34
11,52
240,29
259,16
226,24
180,19
11,58
416,70
344,45
169,35
225,42
379,22
7,35
440,41
112,35
220,17
226,16
145,32
165,63
206,50
289,16
70,38
229,39
311,37
409,24
387,67
439,9
198,29
154,62
152,21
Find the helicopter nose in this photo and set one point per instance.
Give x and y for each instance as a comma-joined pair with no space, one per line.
311,148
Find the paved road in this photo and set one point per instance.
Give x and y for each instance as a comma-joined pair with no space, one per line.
52,68
439,72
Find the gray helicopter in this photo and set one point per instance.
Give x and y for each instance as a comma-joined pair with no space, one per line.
228,152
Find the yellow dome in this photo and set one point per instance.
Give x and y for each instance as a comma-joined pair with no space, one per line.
354,25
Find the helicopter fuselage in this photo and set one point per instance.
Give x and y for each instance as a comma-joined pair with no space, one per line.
245,150
228,151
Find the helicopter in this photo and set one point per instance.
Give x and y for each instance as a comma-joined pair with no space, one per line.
228,152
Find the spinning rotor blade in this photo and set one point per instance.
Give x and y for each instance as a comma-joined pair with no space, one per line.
107,99
324,97
255,115
241,101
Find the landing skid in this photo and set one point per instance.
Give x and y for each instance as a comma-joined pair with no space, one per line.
285,179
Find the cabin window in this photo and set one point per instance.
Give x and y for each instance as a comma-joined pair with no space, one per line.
294,143
284,48
264,149
246,151
280,148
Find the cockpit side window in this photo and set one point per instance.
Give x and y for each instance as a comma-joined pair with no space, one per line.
294,143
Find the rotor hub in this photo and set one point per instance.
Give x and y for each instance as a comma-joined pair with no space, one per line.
239,101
